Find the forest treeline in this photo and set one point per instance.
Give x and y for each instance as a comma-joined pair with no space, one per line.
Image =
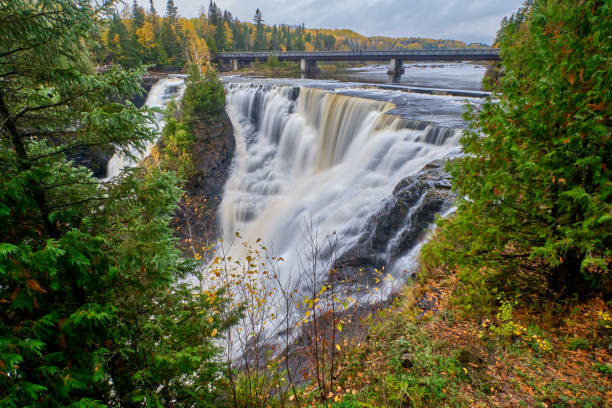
139,35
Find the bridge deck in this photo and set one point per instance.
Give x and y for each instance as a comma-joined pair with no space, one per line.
468,54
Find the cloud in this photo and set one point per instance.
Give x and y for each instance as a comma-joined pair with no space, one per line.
466,20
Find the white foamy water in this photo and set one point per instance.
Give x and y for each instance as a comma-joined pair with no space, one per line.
324,157
162,92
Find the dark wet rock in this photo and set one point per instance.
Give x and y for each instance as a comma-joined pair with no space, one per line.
407,360
147,82
94,158
400,225
212,157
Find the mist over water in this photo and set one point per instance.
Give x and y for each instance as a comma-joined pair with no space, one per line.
307,155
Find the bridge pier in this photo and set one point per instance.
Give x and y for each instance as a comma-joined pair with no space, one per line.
396,67
235,64
308,66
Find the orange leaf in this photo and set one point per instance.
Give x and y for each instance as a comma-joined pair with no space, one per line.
35,286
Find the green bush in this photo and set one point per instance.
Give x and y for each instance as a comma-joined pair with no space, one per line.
272,61
204,97
578,343
176,145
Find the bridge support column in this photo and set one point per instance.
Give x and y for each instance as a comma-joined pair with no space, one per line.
235,64
396,67
308,66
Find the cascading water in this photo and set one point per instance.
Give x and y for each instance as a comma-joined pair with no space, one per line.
307,155
162,92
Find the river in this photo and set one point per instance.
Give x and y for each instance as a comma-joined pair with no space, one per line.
460,75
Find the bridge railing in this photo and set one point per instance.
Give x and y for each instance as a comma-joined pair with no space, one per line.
494,52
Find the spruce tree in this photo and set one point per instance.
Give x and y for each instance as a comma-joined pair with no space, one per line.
136,51
260,34
172,12
95,310
220,35
214,14
534,189
170,43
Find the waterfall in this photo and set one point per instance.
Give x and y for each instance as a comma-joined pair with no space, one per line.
162,92
309,155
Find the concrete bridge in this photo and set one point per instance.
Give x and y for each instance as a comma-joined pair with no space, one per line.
308,59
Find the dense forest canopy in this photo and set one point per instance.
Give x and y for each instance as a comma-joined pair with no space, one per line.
142,36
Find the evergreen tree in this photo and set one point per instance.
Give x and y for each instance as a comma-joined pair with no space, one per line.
152,8
172,12
534,190
260,34
214,14
157,55
118,41
171,44
227,17
238,34
212,46
94,308
275,44
299,39
135,56
138,15
220,35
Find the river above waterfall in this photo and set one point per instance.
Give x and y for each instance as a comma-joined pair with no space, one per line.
433,75
439,75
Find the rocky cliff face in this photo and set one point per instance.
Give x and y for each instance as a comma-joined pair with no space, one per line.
400,225
212,157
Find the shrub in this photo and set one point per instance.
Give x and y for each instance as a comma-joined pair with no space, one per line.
204,96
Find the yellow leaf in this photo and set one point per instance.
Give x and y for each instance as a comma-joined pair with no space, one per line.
214,333
338,347
210,319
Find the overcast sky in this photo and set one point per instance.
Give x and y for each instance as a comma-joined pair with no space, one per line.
466,20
